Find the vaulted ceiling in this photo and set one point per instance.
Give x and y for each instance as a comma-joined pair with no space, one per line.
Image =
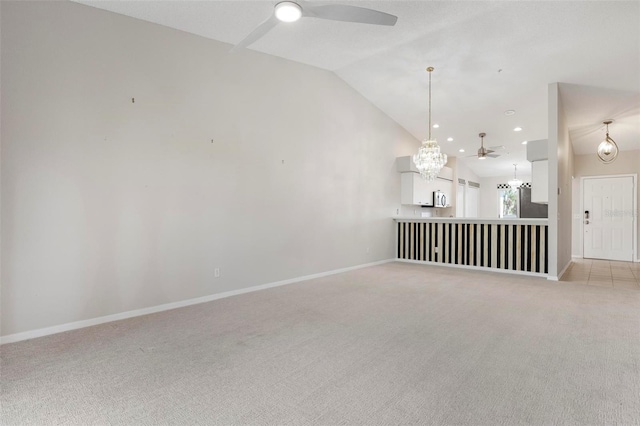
489,57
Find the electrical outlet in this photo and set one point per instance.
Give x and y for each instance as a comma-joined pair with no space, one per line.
216,272
437,250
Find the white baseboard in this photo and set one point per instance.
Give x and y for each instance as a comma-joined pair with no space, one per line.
32,334
559,277
475,268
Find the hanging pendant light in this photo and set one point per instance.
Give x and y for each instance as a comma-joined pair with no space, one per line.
608,149
429,160
515,182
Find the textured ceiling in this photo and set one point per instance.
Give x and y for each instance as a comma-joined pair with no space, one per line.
490,56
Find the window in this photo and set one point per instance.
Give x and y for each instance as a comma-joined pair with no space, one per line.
508,203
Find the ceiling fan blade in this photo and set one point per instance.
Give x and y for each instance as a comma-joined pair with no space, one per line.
256,34
342,12
496,148
493,155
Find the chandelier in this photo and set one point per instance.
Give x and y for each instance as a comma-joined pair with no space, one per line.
515,182
608,149
429,160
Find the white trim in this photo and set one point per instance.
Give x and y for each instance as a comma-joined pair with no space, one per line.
634,191
476,268
559,277
32,334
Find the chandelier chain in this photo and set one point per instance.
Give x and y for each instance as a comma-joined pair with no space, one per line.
429,69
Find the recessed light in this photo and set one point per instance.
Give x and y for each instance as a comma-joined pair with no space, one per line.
435,126
524,143
517,129
481,158
510,112
449,139
288,11
461,150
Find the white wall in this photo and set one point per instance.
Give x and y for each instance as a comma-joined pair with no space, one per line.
560,183
265,168
464,172
489,193
628,162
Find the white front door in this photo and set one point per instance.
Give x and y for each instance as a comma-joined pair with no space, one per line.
608,218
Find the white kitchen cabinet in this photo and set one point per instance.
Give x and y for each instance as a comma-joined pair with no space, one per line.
540,181
416,191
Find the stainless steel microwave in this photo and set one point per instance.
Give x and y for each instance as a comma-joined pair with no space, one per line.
439,199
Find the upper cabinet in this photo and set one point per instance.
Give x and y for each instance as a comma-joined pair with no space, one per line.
417,191
540,181
537,153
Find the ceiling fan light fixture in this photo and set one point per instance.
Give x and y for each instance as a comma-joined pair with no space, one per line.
288,11
608,149
292,10
482,151
429,160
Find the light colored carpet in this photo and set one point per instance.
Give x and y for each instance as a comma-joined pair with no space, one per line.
391,344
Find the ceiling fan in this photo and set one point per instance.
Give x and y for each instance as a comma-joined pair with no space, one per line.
291,11
486,152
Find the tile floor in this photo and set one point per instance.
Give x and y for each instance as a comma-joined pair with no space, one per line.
604,273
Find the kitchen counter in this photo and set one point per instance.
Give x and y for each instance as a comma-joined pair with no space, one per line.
523,221
516,245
